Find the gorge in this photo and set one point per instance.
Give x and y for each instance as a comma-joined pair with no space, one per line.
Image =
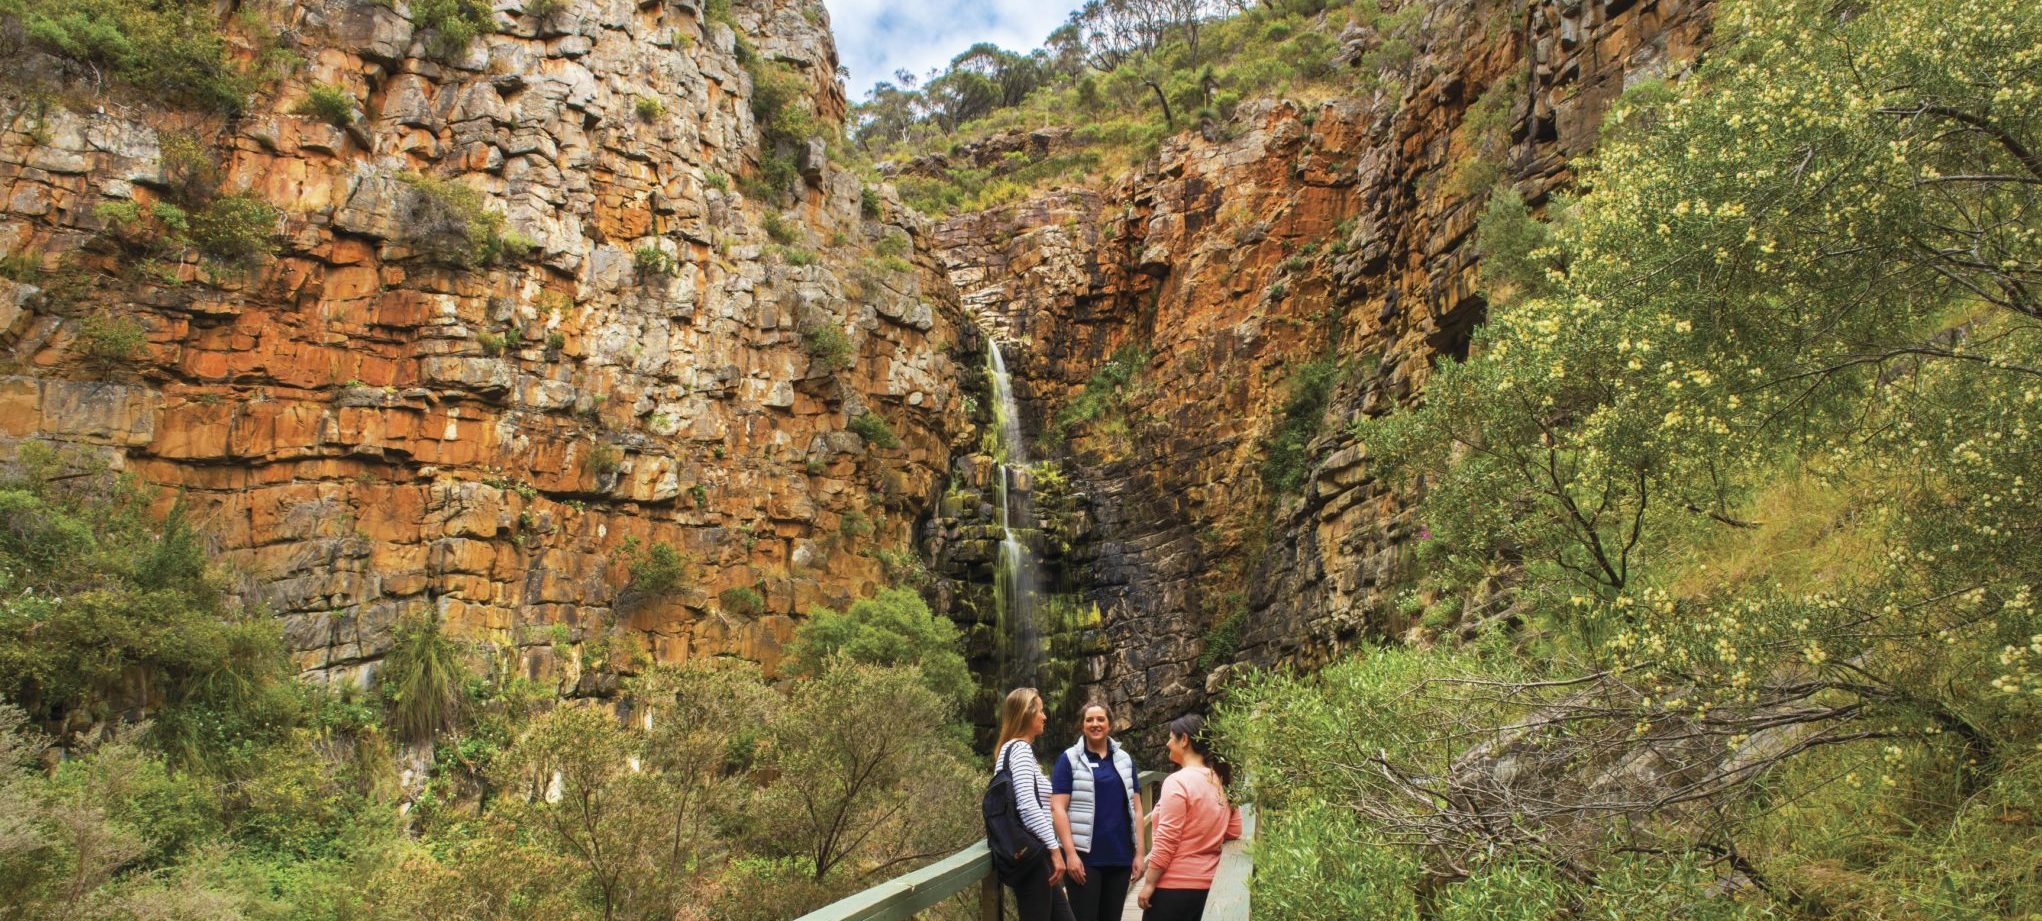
521,360
370,428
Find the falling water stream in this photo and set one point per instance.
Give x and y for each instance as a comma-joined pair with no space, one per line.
1016,581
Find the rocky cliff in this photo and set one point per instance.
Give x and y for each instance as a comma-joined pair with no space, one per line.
525,308
1326,243
507,324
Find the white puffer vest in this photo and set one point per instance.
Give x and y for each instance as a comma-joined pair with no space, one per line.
1083,802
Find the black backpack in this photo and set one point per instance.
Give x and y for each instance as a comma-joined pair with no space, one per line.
1017,853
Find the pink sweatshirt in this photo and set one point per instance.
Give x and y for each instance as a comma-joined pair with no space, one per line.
1192,821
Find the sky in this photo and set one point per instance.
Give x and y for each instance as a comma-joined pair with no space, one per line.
877,37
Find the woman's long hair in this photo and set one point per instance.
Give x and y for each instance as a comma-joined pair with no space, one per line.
1192,727
1019,707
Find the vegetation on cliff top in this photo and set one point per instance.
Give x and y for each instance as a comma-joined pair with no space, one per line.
1122,75
1753,428
172,52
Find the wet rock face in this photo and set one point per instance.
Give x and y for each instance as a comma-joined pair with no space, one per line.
376,422
1330,232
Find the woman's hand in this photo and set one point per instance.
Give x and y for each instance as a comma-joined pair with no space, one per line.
1056,870
1073,867
1148,892
1141,860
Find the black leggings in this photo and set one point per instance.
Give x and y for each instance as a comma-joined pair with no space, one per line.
1036,900
1102,896
1176,905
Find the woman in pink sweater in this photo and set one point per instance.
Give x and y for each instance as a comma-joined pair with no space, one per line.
1193,818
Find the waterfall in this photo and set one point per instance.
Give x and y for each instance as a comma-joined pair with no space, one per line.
1016,581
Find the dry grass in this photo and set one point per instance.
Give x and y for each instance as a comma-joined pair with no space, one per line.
1811,532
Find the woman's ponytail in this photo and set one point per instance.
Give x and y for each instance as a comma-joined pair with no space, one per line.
1192,727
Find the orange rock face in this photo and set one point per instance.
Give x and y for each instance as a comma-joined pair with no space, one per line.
1335,232
369,429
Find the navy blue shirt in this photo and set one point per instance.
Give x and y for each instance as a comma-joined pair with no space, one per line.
1112,828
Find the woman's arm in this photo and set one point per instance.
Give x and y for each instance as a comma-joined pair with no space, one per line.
1169,828
1028,776
1141,826
1060,810
1028,787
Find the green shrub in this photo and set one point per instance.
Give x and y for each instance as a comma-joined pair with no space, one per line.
173,51
171,217
1314,862
656,569
653,262
1487,131
555,341
854,523
235,227
785,115
109,341
780,229
1287,459
742,600
891,246
422,679
24,267
649,108
447,222
604,460
135,227
450,26
99,587
328,103
894,628
868,203
798,257
492,343
829,347
1106,388
1223,638
874,430
545,10
1515,250
716,180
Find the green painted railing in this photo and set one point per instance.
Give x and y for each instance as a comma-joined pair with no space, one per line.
900,898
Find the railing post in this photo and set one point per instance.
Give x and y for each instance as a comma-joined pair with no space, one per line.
989,898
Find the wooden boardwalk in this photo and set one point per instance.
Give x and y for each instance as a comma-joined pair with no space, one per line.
903,897
1229,898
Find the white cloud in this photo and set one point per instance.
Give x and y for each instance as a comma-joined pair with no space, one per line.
877,37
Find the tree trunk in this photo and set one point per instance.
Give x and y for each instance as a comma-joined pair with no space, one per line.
1169,120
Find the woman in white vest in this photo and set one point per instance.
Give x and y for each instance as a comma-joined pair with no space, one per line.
1097,806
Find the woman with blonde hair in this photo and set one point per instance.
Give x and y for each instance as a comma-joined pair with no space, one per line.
1193,818
1039,896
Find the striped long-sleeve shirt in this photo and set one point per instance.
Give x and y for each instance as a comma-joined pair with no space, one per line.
1031,790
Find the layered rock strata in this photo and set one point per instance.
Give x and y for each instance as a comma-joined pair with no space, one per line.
1337,232
373,424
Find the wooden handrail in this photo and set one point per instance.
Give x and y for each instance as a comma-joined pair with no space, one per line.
898,899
